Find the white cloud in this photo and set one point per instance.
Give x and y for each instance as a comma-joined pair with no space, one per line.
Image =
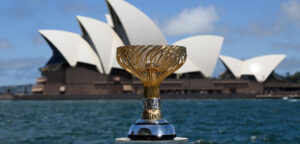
79,6
192,21
21,63
289,64
259,30
286,45
5,44
20,70
288,14
37,39
291,10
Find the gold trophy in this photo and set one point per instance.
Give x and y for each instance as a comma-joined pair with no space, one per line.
151,64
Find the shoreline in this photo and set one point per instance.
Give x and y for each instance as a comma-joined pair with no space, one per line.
132,96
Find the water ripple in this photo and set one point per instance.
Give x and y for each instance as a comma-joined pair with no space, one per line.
202,121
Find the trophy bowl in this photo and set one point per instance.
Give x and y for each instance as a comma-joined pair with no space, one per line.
151,64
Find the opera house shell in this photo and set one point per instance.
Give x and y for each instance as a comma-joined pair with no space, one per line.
86,63
260,67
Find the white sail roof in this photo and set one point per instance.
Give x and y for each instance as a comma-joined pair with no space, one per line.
73,47
109,21
104,40
233,64
139,28
261,67
202,53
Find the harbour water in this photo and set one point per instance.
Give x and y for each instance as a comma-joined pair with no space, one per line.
230,121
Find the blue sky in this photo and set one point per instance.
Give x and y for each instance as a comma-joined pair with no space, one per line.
250,28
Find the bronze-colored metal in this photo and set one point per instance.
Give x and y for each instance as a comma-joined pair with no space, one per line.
151,91
151,114
151,64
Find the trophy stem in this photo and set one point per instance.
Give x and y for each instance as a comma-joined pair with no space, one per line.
151,91
151,102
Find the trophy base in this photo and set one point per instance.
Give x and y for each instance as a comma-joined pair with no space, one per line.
152,130
177,140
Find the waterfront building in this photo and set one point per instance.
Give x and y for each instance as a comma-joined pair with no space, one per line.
86,65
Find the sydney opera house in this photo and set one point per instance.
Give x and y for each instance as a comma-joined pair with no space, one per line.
85,63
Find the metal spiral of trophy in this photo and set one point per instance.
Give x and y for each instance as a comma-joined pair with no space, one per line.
151,64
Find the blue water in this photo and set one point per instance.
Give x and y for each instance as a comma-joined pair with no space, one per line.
202,121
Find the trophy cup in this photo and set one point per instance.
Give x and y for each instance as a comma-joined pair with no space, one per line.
151,64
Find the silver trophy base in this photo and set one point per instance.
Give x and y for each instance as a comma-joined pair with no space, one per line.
152,130
177,140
